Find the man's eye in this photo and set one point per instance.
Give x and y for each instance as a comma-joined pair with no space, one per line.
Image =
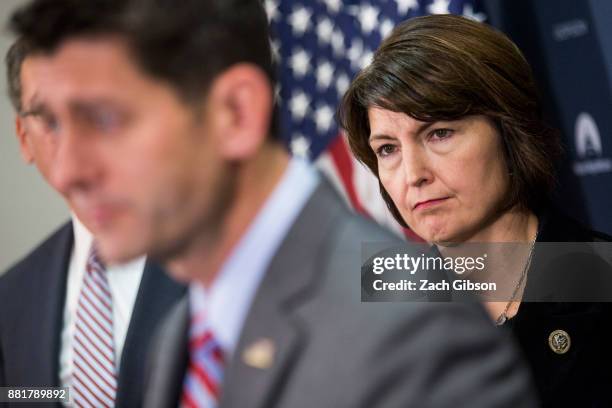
41,121
106,120
439,134
385,150
48,123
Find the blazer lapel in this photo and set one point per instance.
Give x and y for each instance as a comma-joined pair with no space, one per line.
42,340
168,360
272,337
156,295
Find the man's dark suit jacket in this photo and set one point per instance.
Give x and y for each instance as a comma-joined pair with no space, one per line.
330,350
32,298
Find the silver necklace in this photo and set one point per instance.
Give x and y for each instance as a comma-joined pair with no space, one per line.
503,317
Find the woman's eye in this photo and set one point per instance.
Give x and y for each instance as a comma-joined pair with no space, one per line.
441,134
385,150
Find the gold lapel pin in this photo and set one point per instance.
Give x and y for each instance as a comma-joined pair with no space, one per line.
259,354
559,341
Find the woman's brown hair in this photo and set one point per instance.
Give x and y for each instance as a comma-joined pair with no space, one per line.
445,67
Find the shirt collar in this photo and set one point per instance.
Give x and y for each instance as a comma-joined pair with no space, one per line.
82,236
228,299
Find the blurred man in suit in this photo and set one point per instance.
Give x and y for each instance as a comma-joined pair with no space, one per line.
163,121
62,312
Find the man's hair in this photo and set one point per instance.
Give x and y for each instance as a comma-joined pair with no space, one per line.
446,67
186,43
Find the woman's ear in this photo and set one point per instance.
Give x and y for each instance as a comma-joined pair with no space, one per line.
239,107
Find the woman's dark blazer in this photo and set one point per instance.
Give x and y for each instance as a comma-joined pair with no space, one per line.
581,376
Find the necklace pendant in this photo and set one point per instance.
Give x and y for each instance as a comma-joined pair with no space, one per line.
501,319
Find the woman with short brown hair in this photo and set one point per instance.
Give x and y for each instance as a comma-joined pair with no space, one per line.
447,117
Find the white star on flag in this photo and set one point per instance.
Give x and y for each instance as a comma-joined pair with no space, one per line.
277,94
333,5
300,20
439,7
298,105
271,7
325,28
403,6
337,43
275,47
300,146
325,73
368,17
468,12
342,84
300,62
323,117
366,58
355,52
385,28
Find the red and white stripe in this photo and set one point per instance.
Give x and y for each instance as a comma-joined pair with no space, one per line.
202,384
94,377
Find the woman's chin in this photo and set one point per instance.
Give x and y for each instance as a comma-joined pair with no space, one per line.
448,238
438,235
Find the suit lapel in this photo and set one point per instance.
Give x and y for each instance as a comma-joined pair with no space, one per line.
42,340
272,337
168,364
156,295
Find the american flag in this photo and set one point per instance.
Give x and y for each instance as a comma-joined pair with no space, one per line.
319,46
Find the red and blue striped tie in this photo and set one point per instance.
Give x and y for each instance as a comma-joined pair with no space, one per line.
204,376
94,377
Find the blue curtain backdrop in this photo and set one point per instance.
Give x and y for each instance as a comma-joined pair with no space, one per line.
569,44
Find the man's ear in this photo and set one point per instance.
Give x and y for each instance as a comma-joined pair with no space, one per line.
24,143
239,107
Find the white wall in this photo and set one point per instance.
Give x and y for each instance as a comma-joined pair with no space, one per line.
29,208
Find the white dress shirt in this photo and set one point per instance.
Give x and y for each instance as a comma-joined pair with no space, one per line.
228,299
124,281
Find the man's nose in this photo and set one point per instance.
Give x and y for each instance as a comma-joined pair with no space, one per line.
75,161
